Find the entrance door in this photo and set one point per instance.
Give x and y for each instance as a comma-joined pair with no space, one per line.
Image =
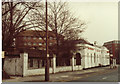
78,59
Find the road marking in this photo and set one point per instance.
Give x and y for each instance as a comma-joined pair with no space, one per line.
104,78
64,76
77,77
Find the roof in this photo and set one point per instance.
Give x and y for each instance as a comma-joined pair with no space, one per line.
36,33
114,41
82,41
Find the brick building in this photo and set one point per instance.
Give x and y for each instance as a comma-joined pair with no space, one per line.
34,43
114,48
34,40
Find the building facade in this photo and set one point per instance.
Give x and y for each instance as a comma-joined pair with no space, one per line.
34,39
114,48
93,55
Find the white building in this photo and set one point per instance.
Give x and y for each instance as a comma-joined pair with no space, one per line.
93,55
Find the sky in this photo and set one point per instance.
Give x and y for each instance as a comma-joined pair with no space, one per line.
101,19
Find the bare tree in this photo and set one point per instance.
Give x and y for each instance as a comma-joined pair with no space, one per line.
60,21
14,20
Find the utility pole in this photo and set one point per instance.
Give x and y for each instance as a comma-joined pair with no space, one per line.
47,54
11,24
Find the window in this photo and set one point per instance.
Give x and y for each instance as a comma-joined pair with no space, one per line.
25,43
38,63
44,43
59,42
78,59
116,45
34,43
116,42
29,43
50,44
87,54
55,42
40,43
40,48
43,63
44,38
91,58
40,38
34,38
29,37
116,48
13,44
14,39
24,37
94,57
31,62
50,38
54,38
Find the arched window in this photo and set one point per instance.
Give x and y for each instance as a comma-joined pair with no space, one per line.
94,57
91,58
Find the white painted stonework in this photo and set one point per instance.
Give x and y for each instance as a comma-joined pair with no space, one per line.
21,66
93,56
13,66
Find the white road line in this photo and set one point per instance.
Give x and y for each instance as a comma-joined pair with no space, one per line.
64,76
104,78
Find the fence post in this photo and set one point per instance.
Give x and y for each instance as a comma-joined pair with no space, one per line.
115,64
73,63
54,63
24,57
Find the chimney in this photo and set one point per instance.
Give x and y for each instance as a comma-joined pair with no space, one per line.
95,42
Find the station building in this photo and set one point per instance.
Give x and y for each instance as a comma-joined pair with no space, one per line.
92,55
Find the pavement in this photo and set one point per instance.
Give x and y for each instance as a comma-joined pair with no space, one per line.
59,77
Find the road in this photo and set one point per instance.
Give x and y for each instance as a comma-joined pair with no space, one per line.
109,75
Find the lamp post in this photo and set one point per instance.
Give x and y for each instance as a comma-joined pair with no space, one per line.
47,55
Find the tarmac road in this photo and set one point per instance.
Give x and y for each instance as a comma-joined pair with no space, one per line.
109,75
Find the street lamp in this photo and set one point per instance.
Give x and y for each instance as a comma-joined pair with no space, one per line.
47,55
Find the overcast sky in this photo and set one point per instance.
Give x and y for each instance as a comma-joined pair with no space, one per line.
101,19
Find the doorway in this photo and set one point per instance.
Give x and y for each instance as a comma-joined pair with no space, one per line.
78,59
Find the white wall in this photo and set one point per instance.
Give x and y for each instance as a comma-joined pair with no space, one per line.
93,57
63,68
68,68
78,67
19,66
27,72
13,66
